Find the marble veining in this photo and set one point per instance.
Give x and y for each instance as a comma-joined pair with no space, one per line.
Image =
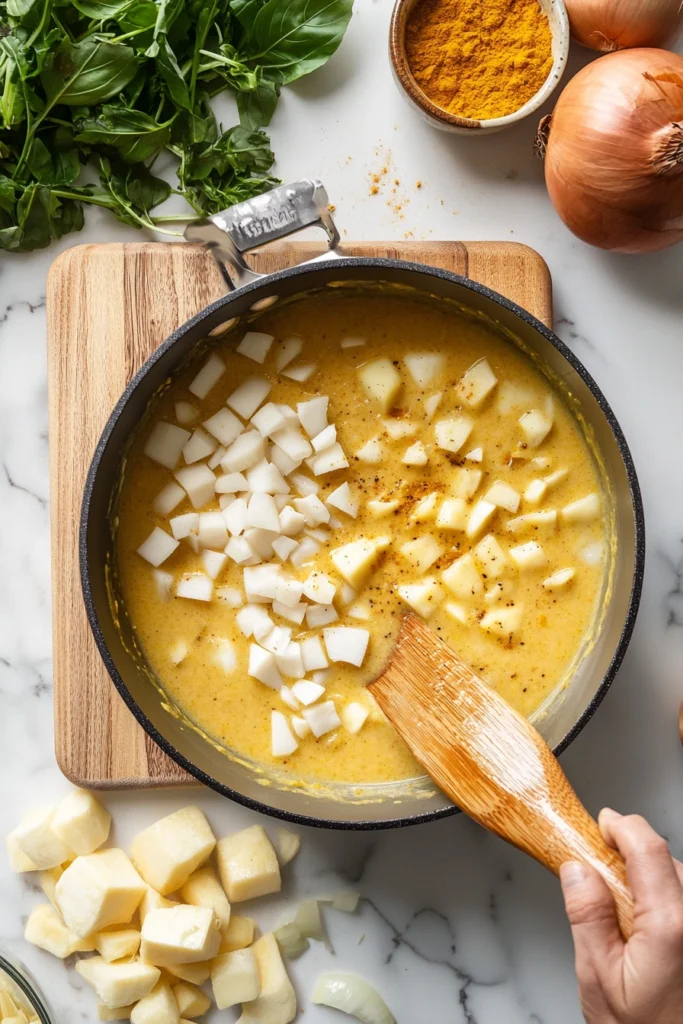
454,927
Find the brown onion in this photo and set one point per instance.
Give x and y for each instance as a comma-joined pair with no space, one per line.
608,25
614,151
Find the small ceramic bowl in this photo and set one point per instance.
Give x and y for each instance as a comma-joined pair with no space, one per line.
559,27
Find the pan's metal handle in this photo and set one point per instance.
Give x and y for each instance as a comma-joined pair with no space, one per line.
233,233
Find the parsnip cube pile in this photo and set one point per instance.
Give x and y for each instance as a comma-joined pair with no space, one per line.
158,923
258,490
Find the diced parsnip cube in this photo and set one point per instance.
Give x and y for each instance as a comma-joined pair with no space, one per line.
81,822
224,426
480,517
180,935
466,482
244,452
380,509
158,547
301,372
255,345
503,622
163,582
535,491
424,597
347,644
398,429
288,845
190,1000
178,652
199,482
248,865
328,461
276,1001
268,419
48,882
372,452
343,499
431,404
46,929
416,455
99,890
301,727
217,457
476,455
213,562
246,398
529,556
184,525
170,850
37,840
152,900
553,479
325,439
536,522
381,382
312,509
159,1007
118,984
425,508
313,414
560,579
212,532
585,510
293,443
194,974
235,978
423,367
502,590
238,934
165,444
462,577
503,495
167,499
535,427
199,447
356,561
117,943
312,654
452,515
452,433
490,556
202,889
262,666
478,382
185,413
422,552
195,586
286,351
18,860
282,739
457,612
120,1013
209,375
353,717
319,587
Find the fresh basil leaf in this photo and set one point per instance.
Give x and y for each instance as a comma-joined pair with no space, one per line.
10,238
238,150
293,38
23,9
8,192
101,10
170,71
85,73
209,198
132,190
256,108
53,159
193,127
245,11
42,216
137,15
135,135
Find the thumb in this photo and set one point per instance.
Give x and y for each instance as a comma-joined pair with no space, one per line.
591,912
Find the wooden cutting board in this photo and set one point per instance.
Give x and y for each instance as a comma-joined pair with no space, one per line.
109,307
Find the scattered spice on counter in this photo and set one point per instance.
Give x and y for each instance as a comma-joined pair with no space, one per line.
479,58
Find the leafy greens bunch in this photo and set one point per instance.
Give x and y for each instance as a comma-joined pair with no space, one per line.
113,84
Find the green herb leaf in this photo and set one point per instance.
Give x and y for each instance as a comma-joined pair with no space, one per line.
81,74
135,135
256,108
53,159
100,10
294,38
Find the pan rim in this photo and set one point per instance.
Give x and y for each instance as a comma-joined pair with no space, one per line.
269,281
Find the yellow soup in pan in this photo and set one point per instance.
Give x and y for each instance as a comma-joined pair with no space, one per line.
325,468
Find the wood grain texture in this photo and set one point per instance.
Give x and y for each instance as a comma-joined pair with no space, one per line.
109,307
489,760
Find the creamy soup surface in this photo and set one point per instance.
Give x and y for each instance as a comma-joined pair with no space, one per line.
509,607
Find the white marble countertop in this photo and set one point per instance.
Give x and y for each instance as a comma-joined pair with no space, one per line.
458,927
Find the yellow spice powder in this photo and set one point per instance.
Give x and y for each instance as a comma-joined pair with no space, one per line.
479,58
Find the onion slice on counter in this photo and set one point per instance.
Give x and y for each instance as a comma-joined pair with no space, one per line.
352,995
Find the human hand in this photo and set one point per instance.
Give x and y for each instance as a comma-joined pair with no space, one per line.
639,981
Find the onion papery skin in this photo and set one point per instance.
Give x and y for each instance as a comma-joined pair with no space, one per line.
607,25
614,155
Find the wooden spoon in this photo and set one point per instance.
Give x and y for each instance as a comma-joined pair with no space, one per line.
489,760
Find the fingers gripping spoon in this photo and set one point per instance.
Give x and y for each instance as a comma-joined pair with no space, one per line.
489,760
